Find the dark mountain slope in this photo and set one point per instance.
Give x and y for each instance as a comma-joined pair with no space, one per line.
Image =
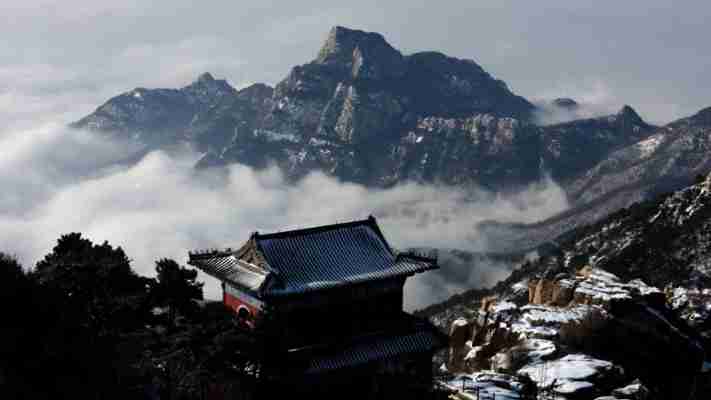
157,117
364,112
572,148
632,290
667,160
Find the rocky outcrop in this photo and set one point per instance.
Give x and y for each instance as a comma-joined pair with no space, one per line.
632,290
589,321
157,117
361,55
575,376
459,334
693,304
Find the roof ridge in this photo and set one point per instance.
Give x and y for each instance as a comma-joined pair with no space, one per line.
317,229
209,253
416,257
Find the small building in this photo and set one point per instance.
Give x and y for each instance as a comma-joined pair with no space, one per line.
337,291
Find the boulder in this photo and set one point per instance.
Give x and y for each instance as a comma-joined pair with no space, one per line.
575,375
459,334
634,391
526,352
532,290
563,291
544,291
487,303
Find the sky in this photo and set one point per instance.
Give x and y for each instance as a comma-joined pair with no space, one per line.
67,57
60,60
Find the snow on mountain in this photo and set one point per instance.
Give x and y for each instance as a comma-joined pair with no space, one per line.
606,314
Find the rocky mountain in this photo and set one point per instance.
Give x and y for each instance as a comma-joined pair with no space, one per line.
667,159
621,309
157,117
364,112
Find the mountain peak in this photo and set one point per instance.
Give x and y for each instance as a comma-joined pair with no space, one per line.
256,91
206,80
207,90
628,115
341,42
703,117
205,77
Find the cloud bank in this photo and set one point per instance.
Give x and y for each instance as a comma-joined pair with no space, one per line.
58,180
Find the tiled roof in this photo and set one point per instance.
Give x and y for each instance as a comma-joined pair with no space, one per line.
332,256
312,259
399,335
227,267
382,348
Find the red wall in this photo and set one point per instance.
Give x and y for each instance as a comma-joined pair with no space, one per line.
235,304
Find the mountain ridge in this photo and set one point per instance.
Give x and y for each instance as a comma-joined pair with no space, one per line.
631,290
363,112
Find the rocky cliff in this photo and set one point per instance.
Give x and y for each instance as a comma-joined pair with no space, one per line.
365,112
621,303
669,158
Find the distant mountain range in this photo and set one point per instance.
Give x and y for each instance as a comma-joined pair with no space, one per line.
364,112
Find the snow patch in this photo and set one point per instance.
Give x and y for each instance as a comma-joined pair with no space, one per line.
504,306
648,146
272,136
569,387
318,142
568,372
486,384
519,287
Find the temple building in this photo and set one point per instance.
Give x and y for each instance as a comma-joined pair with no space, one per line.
337,291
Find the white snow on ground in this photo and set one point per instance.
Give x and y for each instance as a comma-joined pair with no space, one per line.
679,297
486,384
544,322
519,287
647,147
629,390
643,288
504,306
539,349
604,287
473,352
568,371
318,142
538,315
573,386
693,304
276,136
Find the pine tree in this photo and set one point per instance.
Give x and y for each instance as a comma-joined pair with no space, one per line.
176,287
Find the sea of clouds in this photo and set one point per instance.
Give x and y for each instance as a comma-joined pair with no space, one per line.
155,204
